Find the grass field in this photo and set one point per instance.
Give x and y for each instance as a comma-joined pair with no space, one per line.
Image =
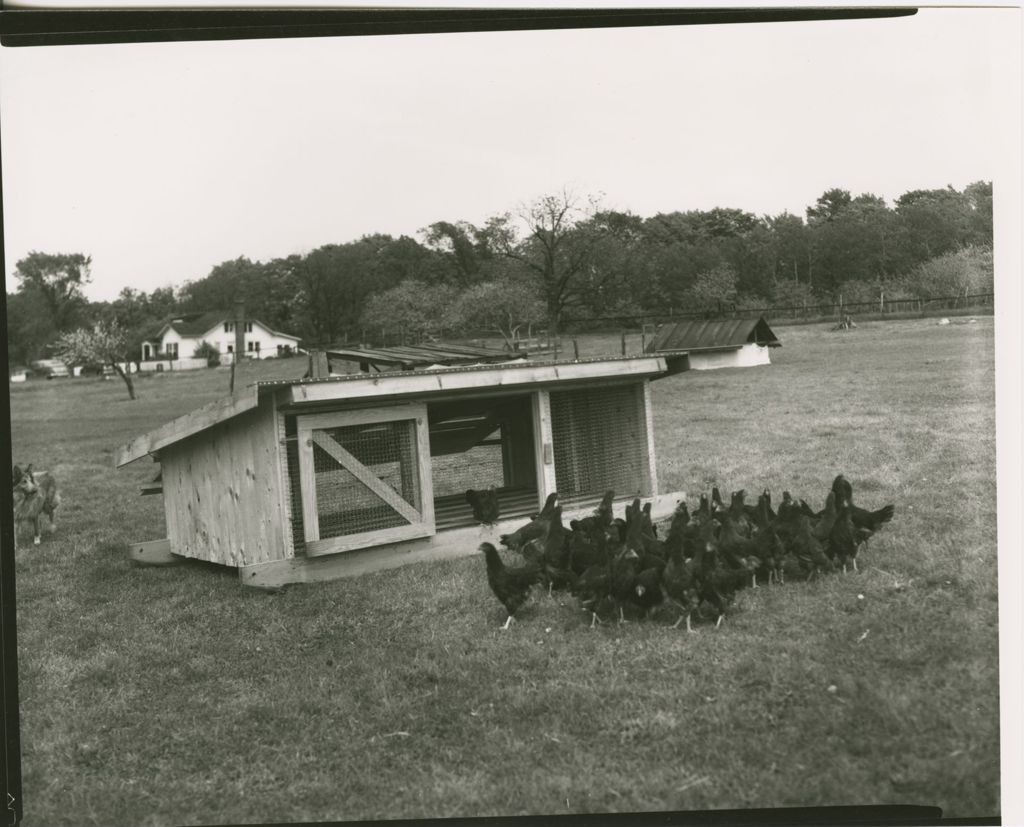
154,696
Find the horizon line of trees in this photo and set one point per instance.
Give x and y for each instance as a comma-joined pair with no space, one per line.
562,255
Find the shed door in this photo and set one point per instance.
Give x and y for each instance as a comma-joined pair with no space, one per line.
365,478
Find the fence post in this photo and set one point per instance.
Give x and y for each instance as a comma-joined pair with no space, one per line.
575,349
623,342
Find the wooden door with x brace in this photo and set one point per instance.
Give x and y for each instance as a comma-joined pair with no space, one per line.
365,477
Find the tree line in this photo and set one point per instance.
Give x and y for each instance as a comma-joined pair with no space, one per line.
560,257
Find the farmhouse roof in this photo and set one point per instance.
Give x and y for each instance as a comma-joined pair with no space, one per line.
196,324
723,334
355,386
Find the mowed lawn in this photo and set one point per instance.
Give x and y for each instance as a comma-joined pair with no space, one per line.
154,696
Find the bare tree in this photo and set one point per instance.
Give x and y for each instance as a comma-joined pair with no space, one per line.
557,246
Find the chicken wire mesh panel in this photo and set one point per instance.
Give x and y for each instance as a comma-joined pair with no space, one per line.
385,460
599,440
294,485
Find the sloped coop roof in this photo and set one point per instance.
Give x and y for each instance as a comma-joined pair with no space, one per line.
724,334
411,357
392,386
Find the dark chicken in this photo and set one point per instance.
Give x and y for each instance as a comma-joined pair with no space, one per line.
823,528
704,560
600,519
738,512
485,505
554,553
647,590
766,543
842,539
870,521
510,584
677,530
536,528
623,572
679,580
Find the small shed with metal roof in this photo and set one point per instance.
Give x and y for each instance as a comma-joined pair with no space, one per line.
333,475
706,345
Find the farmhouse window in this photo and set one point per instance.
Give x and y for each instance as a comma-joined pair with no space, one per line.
249,346
172,350
248,327
364,478
228,327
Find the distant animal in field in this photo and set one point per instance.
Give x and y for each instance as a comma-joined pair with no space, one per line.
35,494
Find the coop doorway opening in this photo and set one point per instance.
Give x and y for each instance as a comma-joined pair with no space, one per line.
479,443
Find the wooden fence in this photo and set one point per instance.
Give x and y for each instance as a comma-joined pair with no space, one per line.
801,312
539,340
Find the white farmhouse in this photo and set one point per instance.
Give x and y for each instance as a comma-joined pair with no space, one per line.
179,337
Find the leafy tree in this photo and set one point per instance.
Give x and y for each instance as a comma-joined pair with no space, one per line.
162,302
979,196
829,205
864,242
464,249
413,308
29,327
791,293
503,307
714,287
963,272
106,344
937,221
617,273
209,352
790,248
58,280
268,289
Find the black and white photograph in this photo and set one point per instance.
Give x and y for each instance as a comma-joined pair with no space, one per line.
526,421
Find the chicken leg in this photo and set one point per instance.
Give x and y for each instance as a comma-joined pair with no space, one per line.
507,623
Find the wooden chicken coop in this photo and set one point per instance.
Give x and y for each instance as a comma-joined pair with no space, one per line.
317,478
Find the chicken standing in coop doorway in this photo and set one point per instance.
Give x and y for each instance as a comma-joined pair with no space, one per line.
485,505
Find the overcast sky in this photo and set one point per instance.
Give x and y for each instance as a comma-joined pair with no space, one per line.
162,160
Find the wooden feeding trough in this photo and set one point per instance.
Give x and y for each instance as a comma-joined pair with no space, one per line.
329,476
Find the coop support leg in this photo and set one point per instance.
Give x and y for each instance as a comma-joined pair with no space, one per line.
153,553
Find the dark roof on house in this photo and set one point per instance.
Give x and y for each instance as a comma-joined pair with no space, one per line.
196,324
723,334
411,357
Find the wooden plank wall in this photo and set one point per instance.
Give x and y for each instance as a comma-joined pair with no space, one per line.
222,492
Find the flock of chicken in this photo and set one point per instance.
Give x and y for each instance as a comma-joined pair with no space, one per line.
610,564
